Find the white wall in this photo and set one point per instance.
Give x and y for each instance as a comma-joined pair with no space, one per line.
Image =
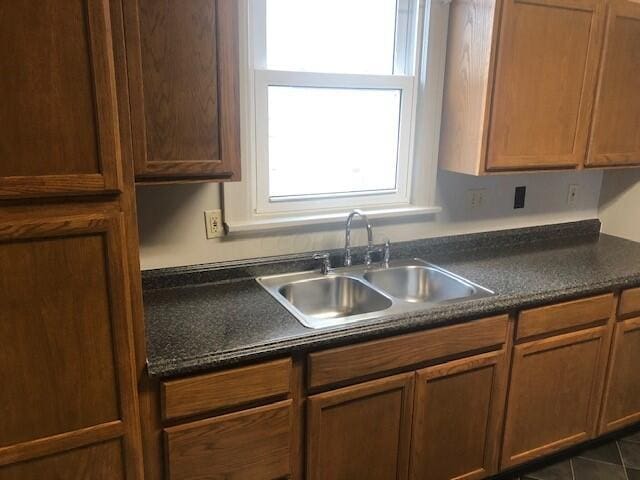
620,203
172,231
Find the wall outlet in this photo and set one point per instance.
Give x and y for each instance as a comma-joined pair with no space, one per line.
476,198
519,197
213,223
572,195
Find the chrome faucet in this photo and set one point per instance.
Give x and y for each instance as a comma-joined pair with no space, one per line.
325,266
347,241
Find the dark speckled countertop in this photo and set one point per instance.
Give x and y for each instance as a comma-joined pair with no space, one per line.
209,316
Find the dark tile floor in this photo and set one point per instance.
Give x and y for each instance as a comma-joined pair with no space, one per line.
616,459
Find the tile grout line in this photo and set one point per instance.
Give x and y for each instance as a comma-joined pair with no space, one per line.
624,465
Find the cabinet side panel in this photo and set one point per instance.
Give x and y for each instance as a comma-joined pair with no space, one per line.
467,76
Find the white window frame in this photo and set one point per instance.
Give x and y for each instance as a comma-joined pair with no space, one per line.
247,205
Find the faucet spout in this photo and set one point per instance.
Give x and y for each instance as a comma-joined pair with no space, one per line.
347,241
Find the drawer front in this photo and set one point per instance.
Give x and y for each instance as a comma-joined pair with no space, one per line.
370,358
206,393
564,316
629,302
253,444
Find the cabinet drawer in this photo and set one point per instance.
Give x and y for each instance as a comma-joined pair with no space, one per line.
206,393
357,361
564,316
629,302
253,444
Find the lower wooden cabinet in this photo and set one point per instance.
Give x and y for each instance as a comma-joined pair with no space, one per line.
102,461
555,392
361,431
452,420
621,405
253,444
457,416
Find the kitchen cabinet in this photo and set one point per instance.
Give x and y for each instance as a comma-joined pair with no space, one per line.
362,431
66,364
554,393
59,120
457,418
621,404
252,444
519,84
183,80
541,84
69,267
615,134
236,423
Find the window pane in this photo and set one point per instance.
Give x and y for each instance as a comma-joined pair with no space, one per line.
331,36
332,140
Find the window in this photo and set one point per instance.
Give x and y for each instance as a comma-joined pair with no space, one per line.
331,100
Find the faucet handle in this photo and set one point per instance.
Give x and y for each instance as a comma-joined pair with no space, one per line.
325,267
386,252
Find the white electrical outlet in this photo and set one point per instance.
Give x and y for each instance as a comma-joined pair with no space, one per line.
476,198
213,223
572,195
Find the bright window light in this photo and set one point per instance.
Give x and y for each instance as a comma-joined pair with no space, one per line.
334,99
325,141
332,36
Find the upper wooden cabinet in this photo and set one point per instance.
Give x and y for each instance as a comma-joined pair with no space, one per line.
58,114
183,80
521,81
615,135
545,75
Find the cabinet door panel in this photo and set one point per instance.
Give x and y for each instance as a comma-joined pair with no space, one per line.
183,79
457,416
615,136
58,116
250,445
361,431
554,395
622,394
544,82
96,462
66,365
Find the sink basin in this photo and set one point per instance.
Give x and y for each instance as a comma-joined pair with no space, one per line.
333,297
419,283
358,293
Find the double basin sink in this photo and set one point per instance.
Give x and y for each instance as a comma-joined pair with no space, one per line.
353,294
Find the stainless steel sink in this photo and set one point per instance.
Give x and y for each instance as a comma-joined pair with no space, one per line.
332,297
353,294
419,283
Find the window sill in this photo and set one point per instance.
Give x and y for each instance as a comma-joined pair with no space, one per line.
297,220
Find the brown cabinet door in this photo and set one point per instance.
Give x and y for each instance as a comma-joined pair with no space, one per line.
66,362
457,415
615,135
183,80
554,395
361,431
58,115
622,394
101,461
249,445
544,83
